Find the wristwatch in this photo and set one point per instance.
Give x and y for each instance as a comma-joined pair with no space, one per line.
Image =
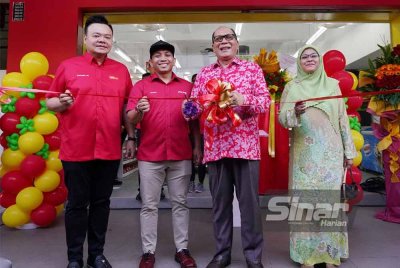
131,139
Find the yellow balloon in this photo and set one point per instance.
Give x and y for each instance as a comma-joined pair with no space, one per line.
29,198
53,162
12,159
34,64
355,80
3,170
45,123
358,139
358,159
15,79
59,209
47,181
30,142
13,216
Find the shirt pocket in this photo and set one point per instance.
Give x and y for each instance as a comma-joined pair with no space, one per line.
81,84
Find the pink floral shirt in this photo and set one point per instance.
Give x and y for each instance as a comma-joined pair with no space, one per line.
241,141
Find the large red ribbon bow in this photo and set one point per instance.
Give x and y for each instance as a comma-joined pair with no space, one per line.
216,104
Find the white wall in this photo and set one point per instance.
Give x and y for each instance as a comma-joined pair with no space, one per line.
357,40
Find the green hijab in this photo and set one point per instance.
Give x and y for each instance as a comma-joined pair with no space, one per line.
313,85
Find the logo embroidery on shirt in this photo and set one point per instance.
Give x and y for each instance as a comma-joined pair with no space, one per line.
153,92
82,75
181,92
113,77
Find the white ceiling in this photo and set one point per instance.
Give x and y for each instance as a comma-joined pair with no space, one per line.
191,41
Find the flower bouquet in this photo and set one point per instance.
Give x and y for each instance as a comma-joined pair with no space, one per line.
384,73
276,80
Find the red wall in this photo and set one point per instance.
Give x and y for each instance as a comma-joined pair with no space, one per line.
51,26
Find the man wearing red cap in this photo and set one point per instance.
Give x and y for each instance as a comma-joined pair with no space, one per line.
165,151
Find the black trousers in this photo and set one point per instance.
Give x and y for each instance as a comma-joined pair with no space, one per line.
242,175
201,168
90,185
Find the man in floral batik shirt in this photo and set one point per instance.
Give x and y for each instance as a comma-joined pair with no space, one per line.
233,157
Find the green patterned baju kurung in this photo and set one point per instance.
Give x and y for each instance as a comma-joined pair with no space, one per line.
320,141
316,163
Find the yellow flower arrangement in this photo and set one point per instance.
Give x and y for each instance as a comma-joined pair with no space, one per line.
276,79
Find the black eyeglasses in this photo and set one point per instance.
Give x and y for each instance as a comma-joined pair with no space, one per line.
228,37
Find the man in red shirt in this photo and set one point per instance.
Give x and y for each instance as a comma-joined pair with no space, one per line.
90,104
164,153
233,158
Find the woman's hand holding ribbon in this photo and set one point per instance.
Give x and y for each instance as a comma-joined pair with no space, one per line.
300,107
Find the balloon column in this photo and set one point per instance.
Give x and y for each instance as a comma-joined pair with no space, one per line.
32,177
334,64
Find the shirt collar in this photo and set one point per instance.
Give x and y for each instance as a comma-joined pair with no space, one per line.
91,59
155,76
236,61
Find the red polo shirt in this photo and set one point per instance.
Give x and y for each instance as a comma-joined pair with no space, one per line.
91,127
164,131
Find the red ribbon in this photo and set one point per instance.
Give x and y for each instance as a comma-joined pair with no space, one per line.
217,109
216,103
358,94
209,97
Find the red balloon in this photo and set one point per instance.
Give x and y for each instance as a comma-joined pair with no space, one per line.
9,122
7,200
44,215
334,61
354,114
27,107
32,166
357,176
354,102
3,141
42,82
345,81
53,140
14,181
56,197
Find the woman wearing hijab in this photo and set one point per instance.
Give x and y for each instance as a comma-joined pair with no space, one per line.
321,146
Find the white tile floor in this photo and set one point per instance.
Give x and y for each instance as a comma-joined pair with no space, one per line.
373,243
